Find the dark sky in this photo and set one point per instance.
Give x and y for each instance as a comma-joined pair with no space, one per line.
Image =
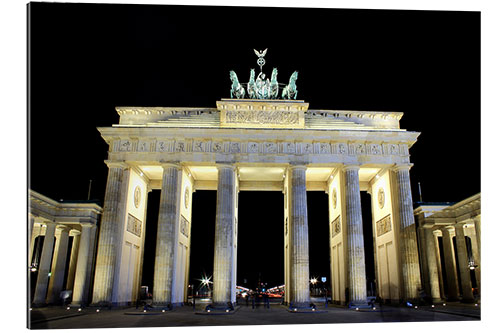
86,59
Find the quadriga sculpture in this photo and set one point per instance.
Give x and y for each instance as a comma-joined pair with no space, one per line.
290,90
274,93
252,88
237,90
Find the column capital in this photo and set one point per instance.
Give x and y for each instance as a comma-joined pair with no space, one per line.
401,167
74,232
348,167
116,164
176,165
63,228
220,166
86,224
449,229
300,166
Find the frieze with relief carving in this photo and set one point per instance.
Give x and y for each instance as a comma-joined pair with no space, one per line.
184,227
194,145
262,117
383,225
335,227
134,225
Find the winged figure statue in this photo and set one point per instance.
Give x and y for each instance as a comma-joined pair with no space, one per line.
260,54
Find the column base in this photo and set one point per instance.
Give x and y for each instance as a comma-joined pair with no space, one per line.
303,308
220,308
467,300
76,305
163,306
39,305
359,305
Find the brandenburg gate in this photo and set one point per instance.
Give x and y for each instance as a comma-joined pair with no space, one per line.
257,145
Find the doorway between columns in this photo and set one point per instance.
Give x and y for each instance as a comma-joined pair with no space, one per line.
260,261
369,241
319,252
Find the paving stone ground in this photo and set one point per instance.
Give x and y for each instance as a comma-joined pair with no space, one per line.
60,318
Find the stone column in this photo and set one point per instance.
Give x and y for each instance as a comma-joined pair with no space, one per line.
299,239
58,266
166,239
407,234
30,226
72,261
436,233
355,242
44,268
224,235
477,225
449,263
463,264
90,263
475,254
432,267
82,266
108,238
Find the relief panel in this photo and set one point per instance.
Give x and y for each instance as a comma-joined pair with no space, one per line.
134,225
384,225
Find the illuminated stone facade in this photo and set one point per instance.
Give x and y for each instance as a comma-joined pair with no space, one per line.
57,222
458,228
247,145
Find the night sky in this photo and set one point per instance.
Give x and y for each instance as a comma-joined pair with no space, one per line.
87,59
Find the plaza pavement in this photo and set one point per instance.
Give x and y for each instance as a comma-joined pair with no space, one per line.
60,318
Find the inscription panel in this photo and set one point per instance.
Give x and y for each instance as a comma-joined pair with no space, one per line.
184,226
384,225
134,225
335,227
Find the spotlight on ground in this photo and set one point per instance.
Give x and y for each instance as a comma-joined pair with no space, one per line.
79,309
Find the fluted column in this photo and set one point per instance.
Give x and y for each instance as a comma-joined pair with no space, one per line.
432,268
224,235
90,263
44,268
449,263
355,241
407,234
108,238
81,281
58,266
31,225
299,238
166,239
477,226
436,233
72,261
477,261
463,264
